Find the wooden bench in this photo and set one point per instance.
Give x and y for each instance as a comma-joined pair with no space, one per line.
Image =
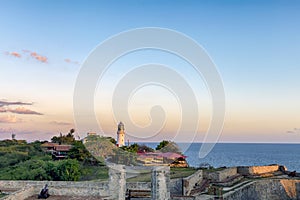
131,194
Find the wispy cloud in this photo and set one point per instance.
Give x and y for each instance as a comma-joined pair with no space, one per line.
36,56
67,60
9,119
15,54
295,130
5,106
5,130
58,123
39,57
20,110
25,111
8,103
31,54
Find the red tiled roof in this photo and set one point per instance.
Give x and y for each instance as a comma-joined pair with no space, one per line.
49,144
172,155
169,155
63,147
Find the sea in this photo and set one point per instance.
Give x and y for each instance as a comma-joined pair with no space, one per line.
243,154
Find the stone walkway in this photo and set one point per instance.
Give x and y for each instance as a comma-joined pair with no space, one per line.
54,197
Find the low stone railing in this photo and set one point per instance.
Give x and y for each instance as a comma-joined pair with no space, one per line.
190,182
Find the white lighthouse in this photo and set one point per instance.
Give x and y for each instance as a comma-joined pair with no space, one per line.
121,135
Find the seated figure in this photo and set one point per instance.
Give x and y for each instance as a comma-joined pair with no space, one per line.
292,174
44,193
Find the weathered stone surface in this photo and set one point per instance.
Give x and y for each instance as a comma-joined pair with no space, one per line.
117,182
190,182
176,186
82,188
221,175
275,189
138,185
160,183
21,194
256,170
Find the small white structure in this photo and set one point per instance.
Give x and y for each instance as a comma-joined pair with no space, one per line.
121,135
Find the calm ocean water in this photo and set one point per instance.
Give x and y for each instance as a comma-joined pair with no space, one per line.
241,154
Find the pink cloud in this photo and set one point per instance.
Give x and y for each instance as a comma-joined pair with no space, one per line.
60,123
14,54
8,103
22,110
67,60
33,54
42,58
38,57
9,119
295,130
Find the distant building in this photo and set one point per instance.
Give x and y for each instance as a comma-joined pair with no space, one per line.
61,151
121,135
49,147
91,133
58,151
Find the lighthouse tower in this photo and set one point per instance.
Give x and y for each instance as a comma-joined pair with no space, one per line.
121,135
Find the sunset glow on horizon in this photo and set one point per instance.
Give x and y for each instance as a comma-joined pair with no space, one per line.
255,46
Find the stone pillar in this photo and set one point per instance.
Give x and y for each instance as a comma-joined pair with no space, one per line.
160,183
117,181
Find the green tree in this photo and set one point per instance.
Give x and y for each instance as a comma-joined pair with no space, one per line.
162,144
144,148
132,148
168,146
68,170
64,139
80,153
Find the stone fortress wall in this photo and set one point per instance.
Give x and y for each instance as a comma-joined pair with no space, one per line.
256,170
275,189
191,181
162,187
67,188
218,176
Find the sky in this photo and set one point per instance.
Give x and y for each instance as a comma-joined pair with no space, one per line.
255,46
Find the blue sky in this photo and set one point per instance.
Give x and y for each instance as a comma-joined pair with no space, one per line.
254,44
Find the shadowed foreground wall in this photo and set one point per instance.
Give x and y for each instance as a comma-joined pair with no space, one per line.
275,189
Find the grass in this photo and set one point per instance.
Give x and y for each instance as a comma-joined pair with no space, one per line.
94,173
174,173
182,172
212,169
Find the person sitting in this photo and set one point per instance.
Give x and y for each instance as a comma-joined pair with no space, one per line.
292,174
44,193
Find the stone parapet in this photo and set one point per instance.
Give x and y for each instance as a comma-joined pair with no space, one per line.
220,175
190,182
258,170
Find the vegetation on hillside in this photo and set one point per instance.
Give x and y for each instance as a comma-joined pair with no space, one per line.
27,161
168,146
